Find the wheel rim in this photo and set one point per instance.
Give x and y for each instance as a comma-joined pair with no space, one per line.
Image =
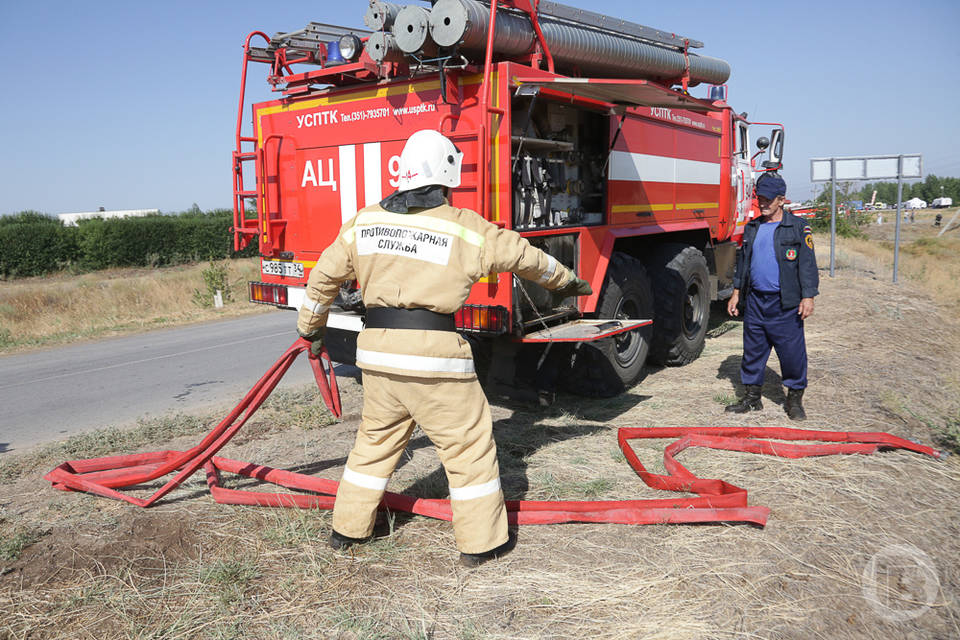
628,343
693,310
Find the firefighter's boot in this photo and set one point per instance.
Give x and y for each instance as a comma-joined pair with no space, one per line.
471,560
341,542
749,402
794,406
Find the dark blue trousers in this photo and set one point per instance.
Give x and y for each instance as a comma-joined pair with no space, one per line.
766,325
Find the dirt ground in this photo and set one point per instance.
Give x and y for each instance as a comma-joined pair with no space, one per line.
855,547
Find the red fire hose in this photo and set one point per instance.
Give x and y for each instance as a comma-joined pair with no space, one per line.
716,501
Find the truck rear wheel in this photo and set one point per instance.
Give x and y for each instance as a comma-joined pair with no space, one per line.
681,290
611,366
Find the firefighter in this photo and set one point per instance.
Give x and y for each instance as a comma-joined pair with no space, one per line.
416,258
776,279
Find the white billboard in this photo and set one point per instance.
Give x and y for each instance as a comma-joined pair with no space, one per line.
866,168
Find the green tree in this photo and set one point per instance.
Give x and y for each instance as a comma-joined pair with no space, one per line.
29,217
845,192
931,188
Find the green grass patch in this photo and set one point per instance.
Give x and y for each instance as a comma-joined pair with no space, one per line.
231,577
470,631
292,528
949,435
946,434
309,411
364,625
724,399
547,486
932,246
722,328
12,545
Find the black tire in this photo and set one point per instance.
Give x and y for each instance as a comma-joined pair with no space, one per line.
681,291
609,367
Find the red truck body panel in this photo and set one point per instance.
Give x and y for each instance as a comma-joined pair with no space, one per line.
327,155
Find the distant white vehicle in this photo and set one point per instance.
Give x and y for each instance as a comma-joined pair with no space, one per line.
939,203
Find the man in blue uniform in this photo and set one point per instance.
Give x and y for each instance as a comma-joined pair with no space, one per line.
776,277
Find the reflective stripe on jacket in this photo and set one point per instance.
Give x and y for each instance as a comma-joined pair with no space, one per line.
430,260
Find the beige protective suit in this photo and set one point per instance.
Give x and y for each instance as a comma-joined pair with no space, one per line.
428,259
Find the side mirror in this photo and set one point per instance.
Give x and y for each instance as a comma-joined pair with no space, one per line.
763,143
775,159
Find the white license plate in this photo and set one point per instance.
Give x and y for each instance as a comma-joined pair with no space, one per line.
277,268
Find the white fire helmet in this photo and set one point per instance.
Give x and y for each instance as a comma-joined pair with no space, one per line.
429,158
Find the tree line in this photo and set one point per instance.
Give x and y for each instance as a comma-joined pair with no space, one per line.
33,243
930,188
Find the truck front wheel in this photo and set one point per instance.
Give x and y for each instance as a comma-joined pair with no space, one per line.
611,366
681,289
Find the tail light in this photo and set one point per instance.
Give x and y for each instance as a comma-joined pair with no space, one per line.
264,293
482,319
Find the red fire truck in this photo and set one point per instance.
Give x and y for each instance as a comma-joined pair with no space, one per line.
578,131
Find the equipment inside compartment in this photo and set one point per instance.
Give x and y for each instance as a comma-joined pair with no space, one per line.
535,305
559,153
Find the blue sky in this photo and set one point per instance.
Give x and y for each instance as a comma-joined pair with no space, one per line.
133,104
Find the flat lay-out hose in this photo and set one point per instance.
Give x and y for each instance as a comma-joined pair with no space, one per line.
715,501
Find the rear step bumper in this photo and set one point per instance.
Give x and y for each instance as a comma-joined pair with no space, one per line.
585,330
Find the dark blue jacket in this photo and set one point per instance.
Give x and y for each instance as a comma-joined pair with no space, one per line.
793,244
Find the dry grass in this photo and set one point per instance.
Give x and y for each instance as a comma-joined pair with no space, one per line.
65,307
926,258
882,357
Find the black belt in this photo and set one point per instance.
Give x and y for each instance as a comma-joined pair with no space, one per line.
394,318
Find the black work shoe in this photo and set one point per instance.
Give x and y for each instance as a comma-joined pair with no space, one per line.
749,402
341,542
471,560
794,406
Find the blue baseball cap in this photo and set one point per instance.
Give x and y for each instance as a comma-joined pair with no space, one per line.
771,185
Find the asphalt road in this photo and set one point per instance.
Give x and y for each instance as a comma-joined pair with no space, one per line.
47,395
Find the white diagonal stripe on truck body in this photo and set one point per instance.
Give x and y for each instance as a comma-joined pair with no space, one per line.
642,167
372,178
348,181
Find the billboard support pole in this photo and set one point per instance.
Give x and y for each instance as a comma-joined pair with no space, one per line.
908,165
896,241
833,214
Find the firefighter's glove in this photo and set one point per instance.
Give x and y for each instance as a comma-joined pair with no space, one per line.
576,287
315,338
